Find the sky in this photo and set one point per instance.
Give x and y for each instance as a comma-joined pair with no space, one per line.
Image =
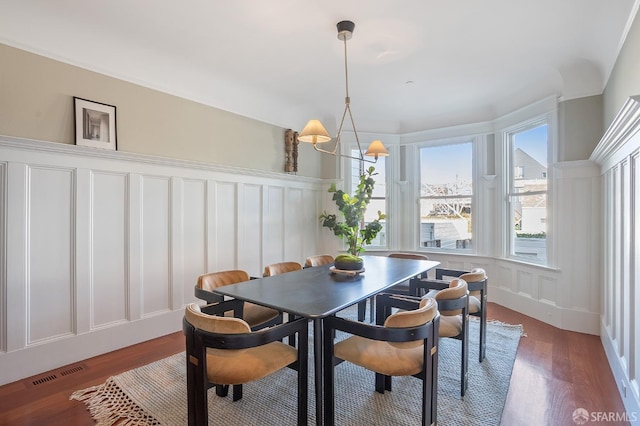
437,165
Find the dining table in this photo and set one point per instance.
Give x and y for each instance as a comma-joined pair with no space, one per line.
318,292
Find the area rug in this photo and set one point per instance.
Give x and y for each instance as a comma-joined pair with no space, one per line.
155,394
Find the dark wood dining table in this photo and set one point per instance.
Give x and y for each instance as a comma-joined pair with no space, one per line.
317,293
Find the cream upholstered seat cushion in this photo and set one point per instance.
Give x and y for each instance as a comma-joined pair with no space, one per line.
237,366
253,314
397,359
475,275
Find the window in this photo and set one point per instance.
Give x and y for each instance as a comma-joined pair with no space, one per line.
527,192
378,200
446,195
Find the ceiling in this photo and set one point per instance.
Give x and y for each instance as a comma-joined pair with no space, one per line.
413,65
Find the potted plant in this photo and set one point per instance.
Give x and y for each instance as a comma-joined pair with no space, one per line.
351,229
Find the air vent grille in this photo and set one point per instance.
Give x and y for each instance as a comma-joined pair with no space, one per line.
56,374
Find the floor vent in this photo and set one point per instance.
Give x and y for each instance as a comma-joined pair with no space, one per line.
45,379
56,374
72,369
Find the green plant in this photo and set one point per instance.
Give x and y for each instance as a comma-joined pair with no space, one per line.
353,208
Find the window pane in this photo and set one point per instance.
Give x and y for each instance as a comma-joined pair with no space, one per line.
380,188
446,189
446,170
530,159
530,227
378,201
445,223
529,212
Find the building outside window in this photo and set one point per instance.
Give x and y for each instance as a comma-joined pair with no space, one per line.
446,196
527,195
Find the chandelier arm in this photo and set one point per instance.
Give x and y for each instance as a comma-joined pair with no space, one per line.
355,132
324,151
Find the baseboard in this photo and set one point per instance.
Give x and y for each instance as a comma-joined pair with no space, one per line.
36,359
566,319
630,399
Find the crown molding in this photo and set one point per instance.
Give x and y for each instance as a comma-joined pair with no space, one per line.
621,138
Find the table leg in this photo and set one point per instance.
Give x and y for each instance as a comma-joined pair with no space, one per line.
318,346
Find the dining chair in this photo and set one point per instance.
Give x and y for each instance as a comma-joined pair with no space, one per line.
255,315
400,344
453,305
281,268
222,351
402,288
477,284
318,260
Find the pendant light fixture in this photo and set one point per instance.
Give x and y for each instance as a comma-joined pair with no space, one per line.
315,133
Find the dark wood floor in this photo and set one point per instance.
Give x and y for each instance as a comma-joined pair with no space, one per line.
555,372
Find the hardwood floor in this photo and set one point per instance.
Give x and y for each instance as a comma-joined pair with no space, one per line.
555,372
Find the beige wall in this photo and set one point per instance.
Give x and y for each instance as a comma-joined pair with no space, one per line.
624,80
580,127
36,102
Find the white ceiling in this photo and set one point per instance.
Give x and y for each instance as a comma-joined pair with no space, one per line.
413,64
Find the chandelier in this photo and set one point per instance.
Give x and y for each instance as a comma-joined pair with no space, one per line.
315,133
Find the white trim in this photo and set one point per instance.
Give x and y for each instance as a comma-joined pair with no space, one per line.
621,138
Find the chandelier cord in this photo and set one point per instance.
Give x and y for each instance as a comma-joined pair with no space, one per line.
347,103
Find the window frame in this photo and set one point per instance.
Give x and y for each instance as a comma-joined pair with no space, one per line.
474,140
506,134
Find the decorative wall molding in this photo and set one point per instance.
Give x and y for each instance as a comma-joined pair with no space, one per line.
34,146
618,155
106,246
621,138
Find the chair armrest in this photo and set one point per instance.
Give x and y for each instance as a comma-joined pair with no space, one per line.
454,304
220,308
378,332
207,295
206,339
452,273
420,286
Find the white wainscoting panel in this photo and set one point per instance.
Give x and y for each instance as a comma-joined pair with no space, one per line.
3,255
193,235
50,265
106,246
617,154
250,230
274,225
224,230
293,219
156,262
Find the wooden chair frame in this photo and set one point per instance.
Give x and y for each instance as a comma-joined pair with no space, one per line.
424,285
212,298
197,342
427,332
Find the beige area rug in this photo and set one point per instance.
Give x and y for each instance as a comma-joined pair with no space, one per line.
155,394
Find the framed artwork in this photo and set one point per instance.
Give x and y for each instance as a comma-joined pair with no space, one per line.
95,124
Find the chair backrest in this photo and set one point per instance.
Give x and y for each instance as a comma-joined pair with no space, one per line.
409,256
457,289
412,318
281,268
218,279
214,324
474,276
319,260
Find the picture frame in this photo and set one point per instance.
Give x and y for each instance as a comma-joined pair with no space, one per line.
95,124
